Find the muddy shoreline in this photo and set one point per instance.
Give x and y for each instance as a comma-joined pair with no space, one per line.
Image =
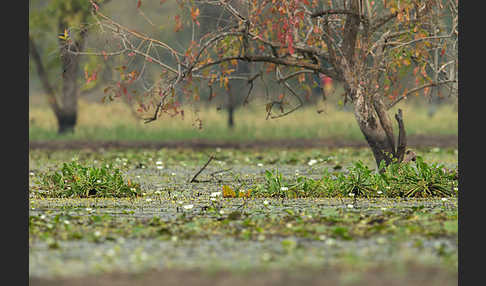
418,141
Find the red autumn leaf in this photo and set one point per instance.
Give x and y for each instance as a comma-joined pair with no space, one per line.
178,26
94,5
194,13
139,3
415,70
91,77
290,42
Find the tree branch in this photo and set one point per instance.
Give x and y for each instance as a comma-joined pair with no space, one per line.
402,137
193,180
418,89
336,12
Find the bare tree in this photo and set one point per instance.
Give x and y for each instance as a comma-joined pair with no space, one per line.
371,47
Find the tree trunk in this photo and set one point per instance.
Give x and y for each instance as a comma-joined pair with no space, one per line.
67,117
66,110
231,108
376,126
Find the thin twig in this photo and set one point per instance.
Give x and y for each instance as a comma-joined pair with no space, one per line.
418,89
193,180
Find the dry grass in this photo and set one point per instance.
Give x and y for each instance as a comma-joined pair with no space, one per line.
116,120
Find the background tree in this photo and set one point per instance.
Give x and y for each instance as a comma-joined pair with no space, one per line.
372,48
211,18
63,26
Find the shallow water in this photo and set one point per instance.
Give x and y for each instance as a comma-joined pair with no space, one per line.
269,244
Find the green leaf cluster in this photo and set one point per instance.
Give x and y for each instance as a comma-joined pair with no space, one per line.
75,180
416,179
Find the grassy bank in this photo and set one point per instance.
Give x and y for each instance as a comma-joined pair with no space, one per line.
115,121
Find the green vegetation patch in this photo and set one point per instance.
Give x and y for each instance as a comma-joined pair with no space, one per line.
257,220
76,180
417,179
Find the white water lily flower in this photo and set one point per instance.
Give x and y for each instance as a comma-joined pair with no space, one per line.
444,199
455,189
98,181
111,252
351,194
312,162
350,206
284,189
160,167
216,194
260,165
380,192
158,163
188,207
173,174
97,233
265,202
266,256
288,225
148,200
381,240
